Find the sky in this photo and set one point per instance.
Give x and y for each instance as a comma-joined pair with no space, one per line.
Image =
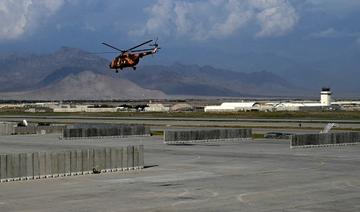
206,32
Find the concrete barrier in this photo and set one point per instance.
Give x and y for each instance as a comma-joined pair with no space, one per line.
38,130
104,130
205,135
326,139
7,128
25,166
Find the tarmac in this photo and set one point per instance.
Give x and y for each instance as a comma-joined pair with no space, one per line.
306,124
254,175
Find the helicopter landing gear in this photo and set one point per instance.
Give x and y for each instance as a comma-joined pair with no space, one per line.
134,68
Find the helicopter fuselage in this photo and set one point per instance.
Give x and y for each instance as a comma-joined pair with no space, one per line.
127,60
131,56
124,61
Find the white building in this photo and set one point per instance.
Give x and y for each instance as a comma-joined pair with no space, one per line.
295,106
157,108
325,97
66,108
325,102
84,108
233,107
348,105
181,107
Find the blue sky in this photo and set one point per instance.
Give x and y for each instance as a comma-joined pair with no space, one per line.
214,32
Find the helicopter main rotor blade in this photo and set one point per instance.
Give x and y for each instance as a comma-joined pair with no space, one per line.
143,50
113,52
139,45
113,47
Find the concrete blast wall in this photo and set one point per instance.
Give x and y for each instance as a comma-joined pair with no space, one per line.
86,131
326,139
36,165
205,135
7,128
39,130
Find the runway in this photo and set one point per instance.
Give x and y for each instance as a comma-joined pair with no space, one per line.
307,125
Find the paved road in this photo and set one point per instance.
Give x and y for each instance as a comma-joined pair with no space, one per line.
194,122
179,118
262,175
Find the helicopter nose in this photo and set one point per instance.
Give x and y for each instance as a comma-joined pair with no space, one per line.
111,65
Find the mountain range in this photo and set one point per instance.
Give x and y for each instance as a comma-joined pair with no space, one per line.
75,74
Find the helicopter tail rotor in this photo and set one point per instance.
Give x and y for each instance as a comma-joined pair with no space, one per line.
155,43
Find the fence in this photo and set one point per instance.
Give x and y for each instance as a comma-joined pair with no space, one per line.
7,128
38,130
88,131
206,135
326,139
36,165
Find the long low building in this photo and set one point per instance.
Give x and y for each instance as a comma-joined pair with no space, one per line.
86,109
156,108
233,107
297,106
265,106
325,103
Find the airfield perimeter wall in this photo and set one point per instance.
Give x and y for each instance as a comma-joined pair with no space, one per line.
7,128
36,165
325,139
205,135
39,130
104,130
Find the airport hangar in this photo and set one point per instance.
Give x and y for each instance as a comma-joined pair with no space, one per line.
326,103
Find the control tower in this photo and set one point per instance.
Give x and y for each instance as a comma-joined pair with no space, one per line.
325,96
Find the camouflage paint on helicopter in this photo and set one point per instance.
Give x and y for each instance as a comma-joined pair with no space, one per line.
131,57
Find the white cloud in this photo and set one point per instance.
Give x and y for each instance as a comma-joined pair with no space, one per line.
277,17
201,20
161,16
20,16
327,33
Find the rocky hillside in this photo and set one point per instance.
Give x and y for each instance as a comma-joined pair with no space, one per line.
87,85
207,81
74,74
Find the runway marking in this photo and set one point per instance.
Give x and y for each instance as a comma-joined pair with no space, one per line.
241,199
186,192
205,194
196,158
167,177
213,194
187,202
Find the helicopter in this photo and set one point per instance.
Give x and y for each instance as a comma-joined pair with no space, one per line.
129,58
